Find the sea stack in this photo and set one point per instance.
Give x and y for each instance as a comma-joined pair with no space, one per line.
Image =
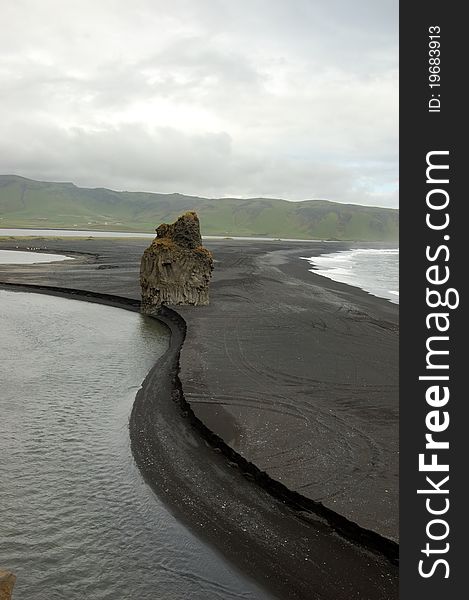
176,268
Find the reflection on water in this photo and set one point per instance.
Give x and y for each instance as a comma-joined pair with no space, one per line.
76,519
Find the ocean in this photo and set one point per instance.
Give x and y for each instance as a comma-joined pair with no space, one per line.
375,270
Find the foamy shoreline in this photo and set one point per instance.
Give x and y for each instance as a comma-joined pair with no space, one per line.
373,270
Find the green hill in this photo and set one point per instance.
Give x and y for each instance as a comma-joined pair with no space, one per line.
28,203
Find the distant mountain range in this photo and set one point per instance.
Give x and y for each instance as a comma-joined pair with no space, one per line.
28,203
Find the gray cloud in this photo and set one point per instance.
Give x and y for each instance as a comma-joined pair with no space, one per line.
214,97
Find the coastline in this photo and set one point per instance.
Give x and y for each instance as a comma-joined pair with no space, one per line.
160,408
299,374
300,577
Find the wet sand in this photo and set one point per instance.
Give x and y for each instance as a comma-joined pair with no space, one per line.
299,375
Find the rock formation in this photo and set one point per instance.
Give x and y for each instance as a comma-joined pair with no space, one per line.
176,268
7,581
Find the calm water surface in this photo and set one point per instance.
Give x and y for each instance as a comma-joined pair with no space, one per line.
76,519
118,234
21,257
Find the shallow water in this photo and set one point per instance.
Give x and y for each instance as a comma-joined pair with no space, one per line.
373,270
19,232
119,234
76,519
21,257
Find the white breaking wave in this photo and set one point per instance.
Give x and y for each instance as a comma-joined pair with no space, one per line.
375,270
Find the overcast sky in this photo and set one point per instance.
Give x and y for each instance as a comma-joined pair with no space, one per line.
294,99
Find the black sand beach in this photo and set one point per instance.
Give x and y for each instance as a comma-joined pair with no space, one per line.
297,374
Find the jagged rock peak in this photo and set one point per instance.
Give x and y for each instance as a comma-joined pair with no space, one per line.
185,231
176,268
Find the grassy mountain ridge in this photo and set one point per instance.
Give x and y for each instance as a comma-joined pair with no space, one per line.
29,203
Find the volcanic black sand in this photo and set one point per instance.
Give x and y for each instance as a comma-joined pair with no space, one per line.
297,374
